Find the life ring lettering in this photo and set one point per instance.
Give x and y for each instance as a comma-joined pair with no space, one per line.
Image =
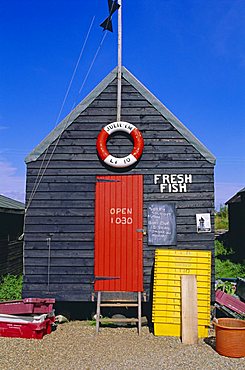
130,159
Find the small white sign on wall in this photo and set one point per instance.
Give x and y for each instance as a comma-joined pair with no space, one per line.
203,221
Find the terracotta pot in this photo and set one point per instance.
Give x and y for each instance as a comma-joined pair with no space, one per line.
230,337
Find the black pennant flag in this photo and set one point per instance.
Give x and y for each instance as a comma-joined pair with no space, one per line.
107,24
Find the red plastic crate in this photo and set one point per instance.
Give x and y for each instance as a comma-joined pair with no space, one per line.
28,331
27,306
232,303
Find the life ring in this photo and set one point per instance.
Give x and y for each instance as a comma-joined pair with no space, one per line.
130,159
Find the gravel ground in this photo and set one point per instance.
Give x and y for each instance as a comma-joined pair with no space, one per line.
74,346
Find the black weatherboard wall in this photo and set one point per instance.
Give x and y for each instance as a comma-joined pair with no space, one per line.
236,234
59,224
11,229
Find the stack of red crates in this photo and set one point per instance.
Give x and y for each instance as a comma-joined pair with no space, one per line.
30,325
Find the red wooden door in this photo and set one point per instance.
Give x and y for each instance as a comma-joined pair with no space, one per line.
118,233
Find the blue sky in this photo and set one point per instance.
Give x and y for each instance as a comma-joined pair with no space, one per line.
189,53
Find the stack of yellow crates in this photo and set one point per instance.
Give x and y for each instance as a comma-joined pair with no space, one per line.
169,266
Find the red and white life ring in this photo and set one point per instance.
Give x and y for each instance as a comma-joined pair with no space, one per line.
130,159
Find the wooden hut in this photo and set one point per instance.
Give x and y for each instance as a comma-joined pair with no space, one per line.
175,171
236,233
11,228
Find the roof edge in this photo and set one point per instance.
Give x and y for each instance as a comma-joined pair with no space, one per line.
68,120
7,203
169,116
235,196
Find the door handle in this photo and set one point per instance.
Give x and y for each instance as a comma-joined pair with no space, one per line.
143,231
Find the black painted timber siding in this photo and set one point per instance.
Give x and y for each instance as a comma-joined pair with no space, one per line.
236,234
63,205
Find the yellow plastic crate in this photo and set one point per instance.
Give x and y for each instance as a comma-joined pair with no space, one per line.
184,270
162,315
174,330
173,289
180,265
177,320
166,309
184,253
168,292
162,261
160,307
162,294
177,283
173,277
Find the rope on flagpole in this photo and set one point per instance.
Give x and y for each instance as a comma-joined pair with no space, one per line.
119,68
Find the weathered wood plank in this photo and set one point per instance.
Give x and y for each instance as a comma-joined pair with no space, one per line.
58,287
59,220
192,211
149,111
79,262
111,117
54,228
112,95
81,126
63,179
123,149
56,253
67,184
50,212
61,245
204,237
33,270
66,195
59,279
143,164
189,316
62,187
101,104
80,203
150,143
33,168
197,177
73,296
185,200
149,157
147,134
82,237
62,204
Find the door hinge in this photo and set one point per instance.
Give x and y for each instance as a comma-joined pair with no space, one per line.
105,180
106,278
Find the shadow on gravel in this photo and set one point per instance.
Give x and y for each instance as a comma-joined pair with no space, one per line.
210,341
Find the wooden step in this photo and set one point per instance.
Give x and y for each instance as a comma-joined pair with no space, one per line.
116,303
118,320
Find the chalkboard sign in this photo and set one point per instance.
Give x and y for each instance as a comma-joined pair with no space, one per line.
161,224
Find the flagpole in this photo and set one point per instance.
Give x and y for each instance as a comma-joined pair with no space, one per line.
119,67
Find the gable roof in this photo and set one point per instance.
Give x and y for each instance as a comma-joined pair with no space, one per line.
236,198
67,121
10,204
